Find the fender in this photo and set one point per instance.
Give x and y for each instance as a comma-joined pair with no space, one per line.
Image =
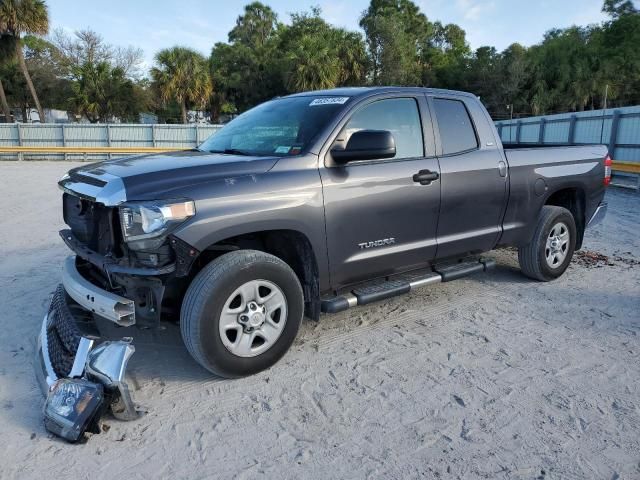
281,199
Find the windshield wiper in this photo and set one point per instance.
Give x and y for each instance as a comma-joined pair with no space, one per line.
232,151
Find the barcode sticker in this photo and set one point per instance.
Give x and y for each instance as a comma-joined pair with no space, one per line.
329,101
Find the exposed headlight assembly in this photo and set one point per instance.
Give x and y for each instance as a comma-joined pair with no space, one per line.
73,406
145,220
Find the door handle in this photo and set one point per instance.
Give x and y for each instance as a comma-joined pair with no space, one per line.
425,177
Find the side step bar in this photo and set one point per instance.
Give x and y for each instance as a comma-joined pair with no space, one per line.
374,292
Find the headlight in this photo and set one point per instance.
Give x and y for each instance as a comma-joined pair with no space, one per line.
73,406
151,219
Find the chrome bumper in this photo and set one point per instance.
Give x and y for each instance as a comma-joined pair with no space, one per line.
106,304
63,351
598,215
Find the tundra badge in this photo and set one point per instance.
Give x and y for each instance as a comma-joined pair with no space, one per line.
377,243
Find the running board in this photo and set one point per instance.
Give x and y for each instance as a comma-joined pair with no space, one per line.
382,290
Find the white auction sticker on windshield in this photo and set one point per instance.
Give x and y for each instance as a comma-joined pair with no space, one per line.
329,101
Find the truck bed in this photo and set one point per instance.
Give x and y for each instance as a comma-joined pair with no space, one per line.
537,172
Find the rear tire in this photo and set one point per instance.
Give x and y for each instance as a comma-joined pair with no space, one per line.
241,313
549,253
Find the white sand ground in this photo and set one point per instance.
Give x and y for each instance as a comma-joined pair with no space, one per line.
493,376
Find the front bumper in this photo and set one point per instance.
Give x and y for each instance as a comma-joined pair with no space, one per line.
113,307
598,215
65,350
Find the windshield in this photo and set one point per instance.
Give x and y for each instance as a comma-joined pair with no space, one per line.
281,127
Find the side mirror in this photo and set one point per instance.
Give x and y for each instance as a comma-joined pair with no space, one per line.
366,145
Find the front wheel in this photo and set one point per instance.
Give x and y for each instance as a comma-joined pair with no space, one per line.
241,313
549,253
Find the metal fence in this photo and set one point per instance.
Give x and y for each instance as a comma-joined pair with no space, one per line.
102,135
618,128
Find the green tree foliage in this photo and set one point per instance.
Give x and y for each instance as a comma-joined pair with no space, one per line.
245,70
619,8
396,33
265,58
319,56
571,69
182,75
19,17
43,61
103,92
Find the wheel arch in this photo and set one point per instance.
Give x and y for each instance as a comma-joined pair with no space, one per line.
291,246
573,199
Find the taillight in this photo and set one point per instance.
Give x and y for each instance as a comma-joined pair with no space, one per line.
607,170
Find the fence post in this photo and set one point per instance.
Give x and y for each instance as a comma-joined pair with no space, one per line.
572,129
543,122
197,135
615,121
108,139
20,154
153,135
64,140
518,128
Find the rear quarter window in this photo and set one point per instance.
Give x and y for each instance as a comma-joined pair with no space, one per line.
456,128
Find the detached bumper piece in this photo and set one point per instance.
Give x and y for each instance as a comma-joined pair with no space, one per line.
81,378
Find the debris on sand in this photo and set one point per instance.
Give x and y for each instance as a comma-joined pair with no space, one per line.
632,262
589,259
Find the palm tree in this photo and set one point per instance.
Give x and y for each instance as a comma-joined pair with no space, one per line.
7,50
182,74
24,16
312,65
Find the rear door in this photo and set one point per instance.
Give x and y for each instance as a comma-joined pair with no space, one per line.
379,219
473,176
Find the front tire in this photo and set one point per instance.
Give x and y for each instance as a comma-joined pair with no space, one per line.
549,253
241,313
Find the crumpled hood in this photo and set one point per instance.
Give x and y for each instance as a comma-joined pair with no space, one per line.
144,177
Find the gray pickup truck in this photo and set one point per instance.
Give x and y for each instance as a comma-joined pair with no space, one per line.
314,202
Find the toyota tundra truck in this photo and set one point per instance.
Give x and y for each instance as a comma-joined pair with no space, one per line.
314,202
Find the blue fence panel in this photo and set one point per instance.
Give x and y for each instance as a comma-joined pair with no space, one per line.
629,130
98,135
618,128
556,132
529,132
130,136
85,136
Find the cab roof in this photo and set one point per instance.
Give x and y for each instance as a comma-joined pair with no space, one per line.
368,91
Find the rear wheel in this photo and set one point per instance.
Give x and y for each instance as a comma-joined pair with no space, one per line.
549,253
241,313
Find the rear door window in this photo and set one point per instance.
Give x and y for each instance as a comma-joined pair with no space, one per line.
456,128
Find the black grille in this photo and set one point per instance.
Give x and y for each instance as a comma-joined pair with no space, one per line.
93,224
63,335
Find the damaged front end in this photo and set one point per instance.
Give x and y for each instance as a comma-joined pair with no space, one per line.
127,269
80,377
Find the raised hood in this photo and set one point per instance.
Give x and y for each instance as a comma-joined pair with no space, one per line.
146,177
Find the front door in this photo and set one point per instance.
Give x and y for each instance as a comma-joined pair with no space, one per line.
379,219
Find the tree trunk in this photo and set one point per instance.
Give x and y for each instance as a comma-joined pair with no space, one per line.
27,77
183,109
5,105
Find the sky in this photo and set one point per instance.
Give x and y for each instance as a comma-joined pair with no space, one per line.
199,24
